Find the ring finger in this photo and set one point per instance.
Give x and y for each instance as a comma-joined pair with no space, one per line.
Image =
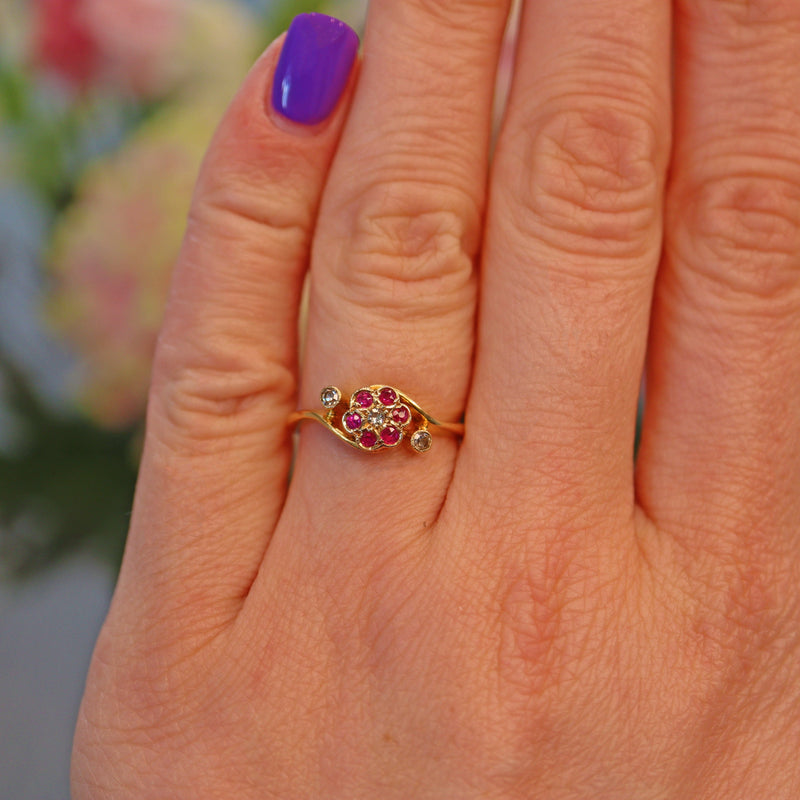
392,283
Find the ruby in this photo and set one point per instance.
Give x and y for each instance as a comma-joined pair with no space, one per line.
390,435
352,421
368,438
400,415
364,398
387,396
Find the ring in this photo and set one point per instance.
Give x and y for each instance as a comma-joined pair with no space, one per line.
375,418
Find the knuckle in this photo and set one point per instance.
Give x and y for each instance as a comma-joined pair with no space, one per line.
590,174
741,231
531,635
448,12
243,215
133,686
410,250
739,612
727,13
200,399
551,615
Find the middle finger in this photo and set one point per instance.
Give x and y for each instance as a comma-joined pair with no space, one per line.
572,243
392,292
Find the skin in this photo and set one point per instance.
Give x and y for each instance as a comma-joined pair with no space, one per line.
524,614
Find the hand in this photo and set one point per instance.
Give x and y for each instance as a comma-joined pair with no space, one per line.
524,614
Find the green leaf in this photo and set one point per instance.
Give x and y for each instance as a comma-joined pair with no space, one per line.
66,485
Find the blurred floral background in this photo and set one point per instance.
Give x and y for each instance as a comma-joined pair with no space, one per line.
106,107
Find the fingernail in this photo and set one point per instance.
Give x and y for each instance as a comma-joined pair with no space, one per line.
313,68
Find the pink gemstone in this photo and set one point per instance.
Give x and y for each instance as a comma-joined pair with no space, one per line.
387,396
352,421
390,436
400,415
368,438
364,398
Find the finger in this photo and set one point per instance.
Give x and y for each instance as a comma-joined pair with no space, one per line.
720,437
216,456
572,245
392,277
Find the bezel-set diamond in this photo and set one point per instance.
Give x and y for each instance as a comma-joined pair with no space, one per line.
330,397
376,417
421,440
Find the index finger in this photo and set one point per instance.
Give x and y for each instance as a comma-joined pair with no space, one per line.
217,451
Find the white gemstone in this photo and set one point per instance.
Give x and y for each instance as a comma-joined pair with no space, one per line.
421,441
376,417
330,397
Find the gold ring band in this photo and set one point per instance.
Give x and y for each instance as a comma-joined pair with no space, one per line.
377,417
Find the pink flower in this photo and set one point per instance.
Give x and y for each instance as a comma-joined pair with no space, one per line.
112,256
114,246
148,48
63,42
129,43
138,41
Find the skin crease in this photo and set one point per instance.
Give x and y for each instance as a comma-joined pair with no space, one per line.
526,613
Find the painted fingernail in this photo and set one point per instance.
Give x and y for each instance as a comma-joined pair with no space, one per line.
313,68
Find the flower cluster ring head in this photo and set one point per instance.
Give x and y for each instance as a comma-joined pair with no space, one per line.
376,418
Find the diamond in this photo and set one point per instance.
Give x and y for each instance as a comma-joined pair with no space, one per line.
376,417
390,436
387,396
352,421
363,398
421,441
330,397
368,438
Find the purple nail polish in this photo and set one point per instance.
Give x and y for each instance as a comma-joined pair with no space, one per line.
313,68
